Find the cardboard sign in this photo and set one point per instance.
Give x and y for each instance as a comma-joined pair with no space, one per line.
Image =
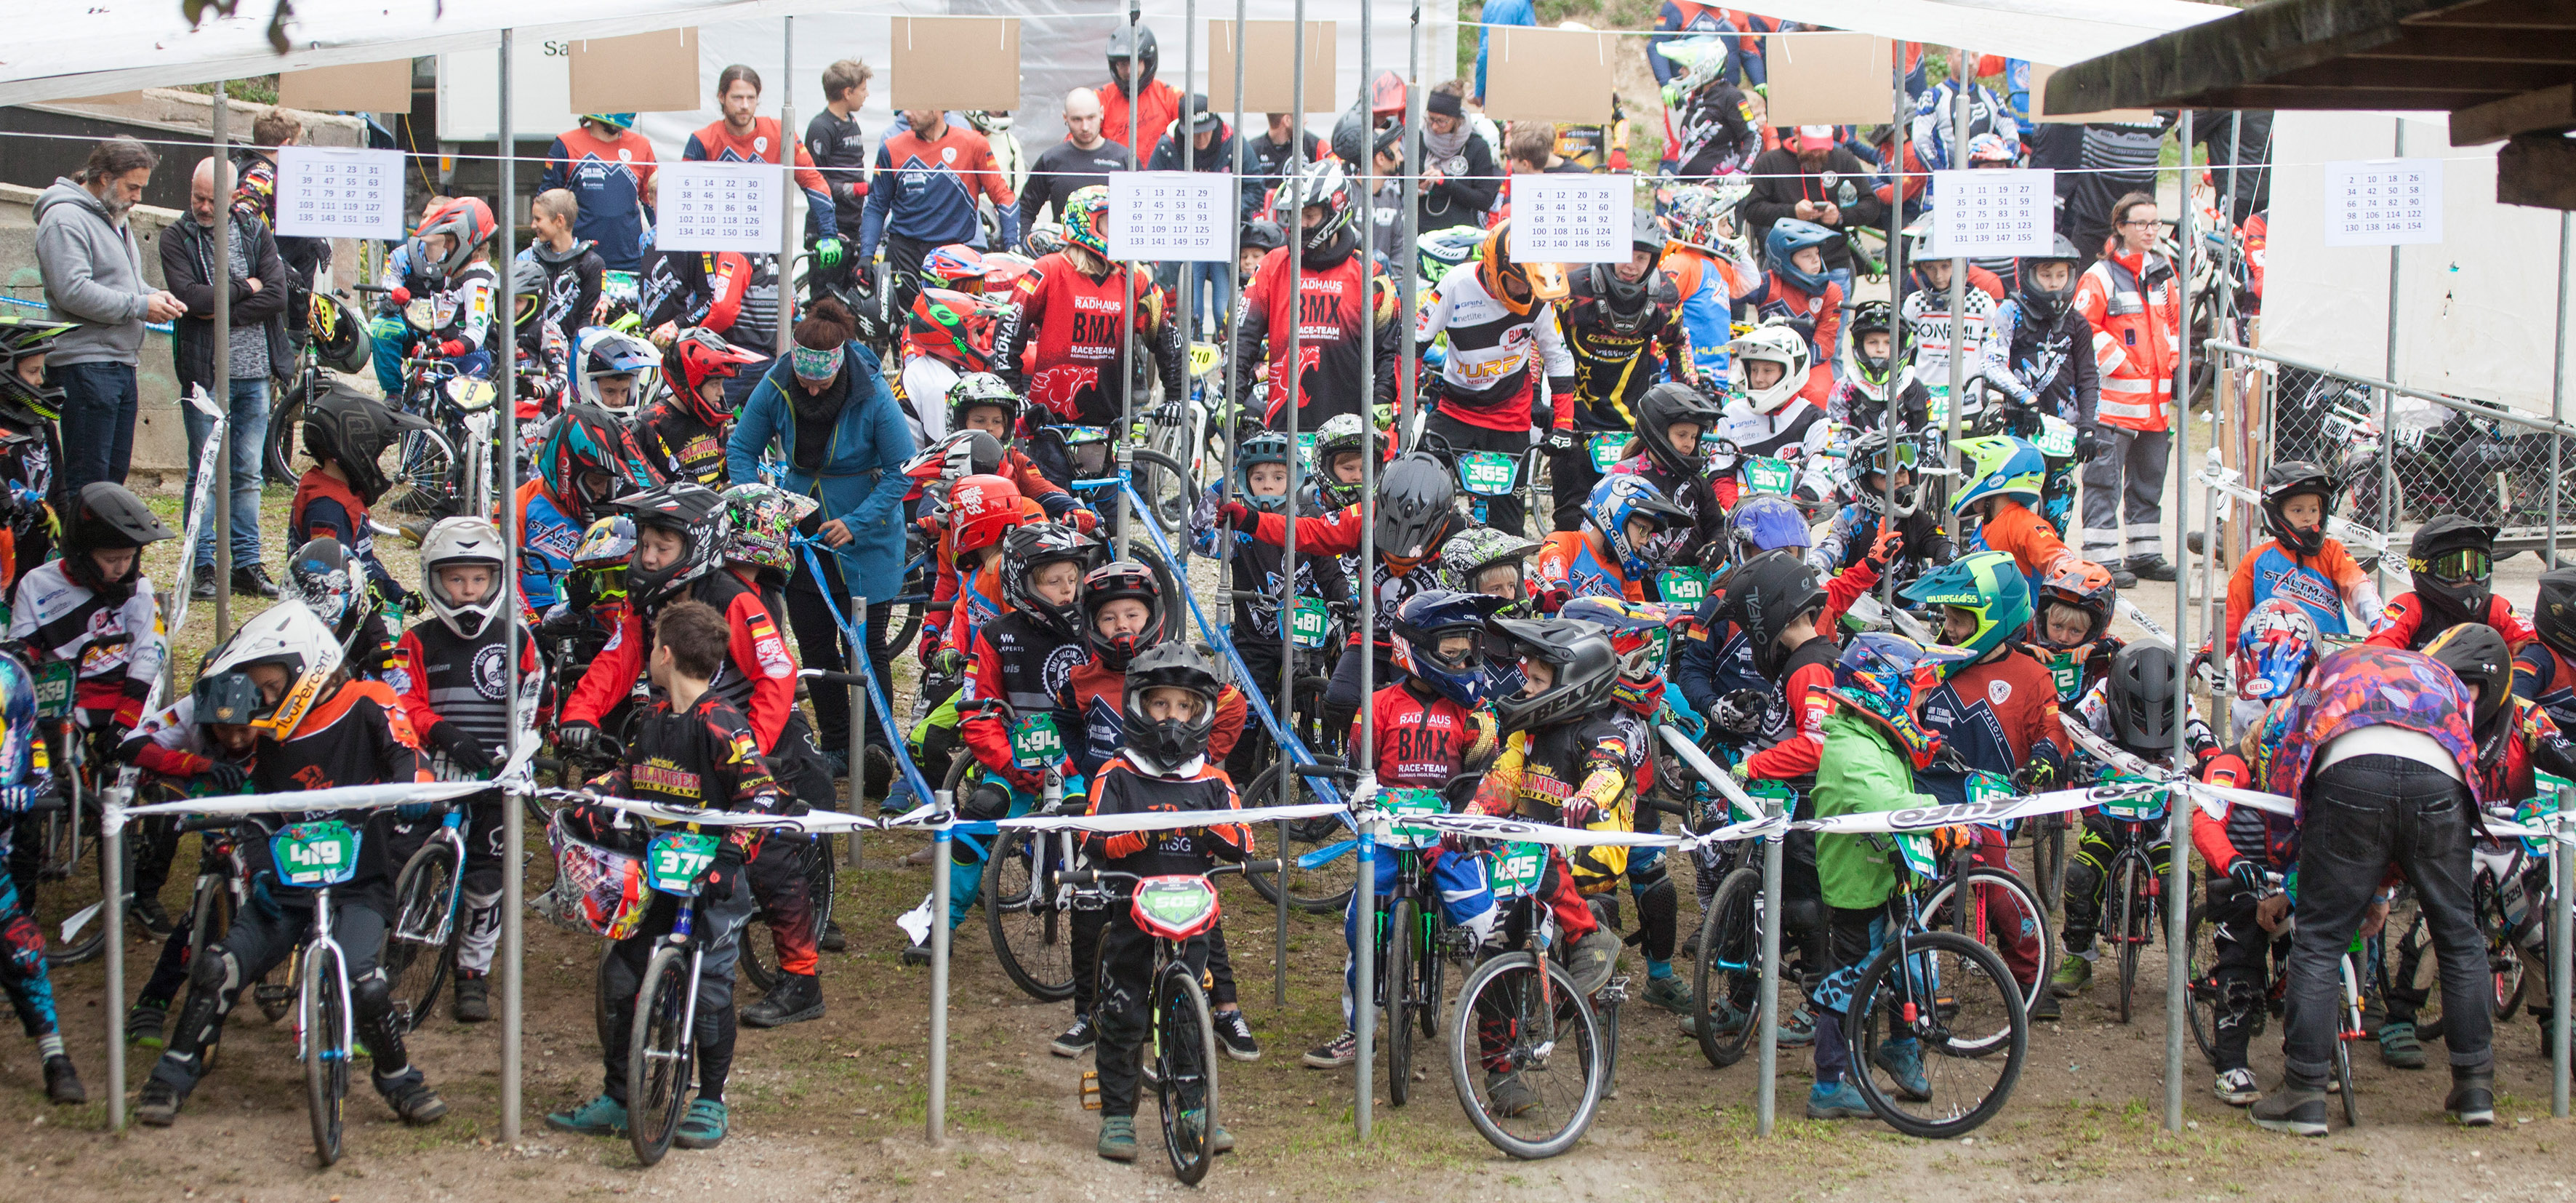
2384,202
1572,218
1160,216
357,87
1269,67
641,73
710,206
956,63
336,192
1994,211
1558,75
1829,79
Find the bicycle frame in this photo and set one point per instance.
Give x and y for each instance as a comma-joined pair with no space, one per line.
322,939
450,832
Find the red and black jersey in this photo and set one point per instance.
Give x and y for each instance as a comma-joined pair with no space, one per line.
1122,788
1421,741
678,445
2545,675
1094,694
357,736
702,758
443,677
1017,671
1793,725
2408,626
326,505
1999,715
1067,334
1328,315
758,677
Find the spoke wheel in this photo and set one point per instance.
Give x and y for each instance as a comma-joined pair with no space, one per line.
325,1019
1184,1052
1961,1012
657,1056
1727,978
1528,1063
2137,924
421,947
2002,910
1032,936
1403,928
1325,888
2205,992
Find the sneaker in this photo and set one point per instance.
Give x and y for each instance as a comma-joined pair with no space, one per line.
2073,974
2151,568
63,1085
1839,1101
1334,1053
922,855
1670,994
703,1127
1117,1138
1218,1141
147,1024
415,1102
1509,1097
602,1116
797,998
2398,1047
149,913
202,586
159,1106
1903,1061
1592,959
878,766
832,940
2236,1088
2046,1007
252,578
2471,1101
473,997
917,954
2292,1110
1800,1030
1076,1040
1234,1035
1725,1016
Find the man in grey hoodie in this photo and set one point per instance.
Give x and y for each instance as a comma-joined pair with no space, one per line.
93,274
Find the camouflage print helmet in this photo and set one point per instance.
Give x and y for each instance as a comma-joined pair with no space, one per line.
764,520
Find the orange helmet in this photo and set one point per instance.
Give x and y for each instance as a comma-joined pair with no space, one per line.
981,509
1545,281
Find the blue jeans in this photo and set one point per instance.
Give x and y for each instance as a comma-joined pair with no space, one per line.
99,409
246,438
1207,291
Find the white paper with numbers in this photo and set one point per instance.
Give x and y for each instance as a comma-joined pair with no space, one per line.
1994,211
1172,215
1572,218
2383,202
707,206
329,192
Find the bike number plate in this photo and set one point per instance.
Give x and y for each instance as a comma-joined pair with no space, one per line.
675,860
2066,671
1775,796
54,689
1682,586
2140,808
1917,853
1035,743
1517,869
1608,447
1306,448
1311,622
1203,358
1769,474
1488,473
1986,788
1938,408
1176,907
1400,804
315,854
2056,437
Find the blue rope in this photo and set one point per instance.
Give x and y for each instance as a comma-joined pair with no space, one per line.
156,328
866,667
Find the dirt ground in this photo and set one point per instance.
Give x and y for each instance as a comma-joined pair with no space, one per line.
834,1109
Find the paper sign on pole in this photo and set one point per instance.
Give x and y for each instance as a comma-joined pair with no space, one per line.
960,63
1269,79
1572,218
2383,202
357,87
1828,79
640,73
335,192
1558,75
709,206
1171,215
1994,211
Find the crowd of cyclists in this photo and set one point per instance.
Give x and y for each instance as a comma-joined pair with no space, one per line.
1746,505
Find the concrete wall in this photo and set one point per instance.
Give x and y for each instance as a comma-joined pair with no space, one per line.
160,442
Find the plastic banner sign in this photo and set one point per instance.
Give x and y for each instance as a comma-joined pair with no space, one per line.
1768,474
1682,586
1171,215
1916,852
1035,743
711,206
1571,218
337,192
1400,803
675,860
1517,869
315,854
1311,622
1488,473
1994,211
2383,202
1609,447
1777,796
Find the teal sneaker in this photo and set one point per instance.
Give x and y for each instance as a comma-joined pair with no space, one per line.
2398,1046
1903,1061
602,1116
1723,1015
1800,1030
1670,994
1117,1138
703,1127
1838,1101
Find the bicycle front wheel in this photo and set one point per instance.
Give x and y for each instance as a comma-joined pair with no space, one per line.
2204,990
1325,886
324,1014
1937,1042
1032,936
657,1055
1403,928
1727,981
1526,1057
419,949
2137,924
2004,914
1184,1054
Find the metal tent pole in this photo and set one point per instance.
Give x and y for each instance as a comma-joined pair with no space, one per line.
1126,360
2388,413
1962,82
787,223
1293,184
940,938
2178,888
1366,959
1888,421
515,837
222,385
1407,277
2560,938
112,865
2558,386
1766,1095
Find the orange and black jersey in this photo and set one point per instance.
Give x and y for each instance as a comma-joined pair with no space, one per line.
701,758
1094,694
356,736
1123,788
326,505
680,446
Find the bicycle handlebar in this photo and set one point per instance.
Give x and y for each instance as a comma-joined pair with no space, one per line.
1087,877
831,678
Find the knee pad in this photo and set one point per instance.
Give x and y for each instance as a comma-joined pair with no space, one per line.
215,970
372,994
990,799
1656,896
1645,876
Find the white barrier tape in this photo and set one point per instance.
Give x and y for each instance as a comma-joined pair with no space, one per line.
345,797
1158,820
1497,827
811,822
1717,778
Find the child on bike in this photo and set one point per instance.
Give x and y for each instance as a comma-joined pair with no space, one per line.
2004,476
1564,762
1878,388
2070,634
1429,725
2545,669
681,434
449,676
1642,702
1261,480
586,457
346,433
25,776
1494,563
1847,539
1627,518
1342,445
967,595
982,401
200,747
1778,413
317,729
1166,720
1674,423
2301,561
1874,744
2452,560
30,445
454,250
691,749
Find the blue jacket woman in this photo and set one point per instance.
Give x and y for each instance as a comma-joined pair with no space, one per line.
855,471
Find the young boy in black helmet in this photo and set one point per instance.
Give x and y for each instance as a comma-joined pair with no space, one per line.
2039,349
29,447
199,747
345,432
1673,421
2544,671
1623,326
2452,561
1261,465
1166,718
1876,378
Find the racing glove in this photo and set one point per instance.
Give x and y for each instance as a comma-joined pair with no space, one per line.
1084,521
1578,811
453,348
2247,876
1882,552
829,251
1560,439
718,885
461,748
948,662
576,736
2088,446
223,778
1237,516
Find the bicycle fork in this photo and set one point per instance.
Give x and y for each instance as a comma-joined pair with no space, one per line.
323,941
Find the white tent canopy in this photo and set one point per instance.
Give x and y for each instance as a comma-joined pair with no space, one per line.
2055,32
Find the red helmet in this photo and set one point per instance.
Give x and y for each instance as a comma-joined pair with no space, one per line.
467,221
697,356
956,266
953,327
981,510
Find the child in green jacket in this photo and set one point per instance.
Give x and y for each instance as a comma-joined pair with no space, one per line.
1873,747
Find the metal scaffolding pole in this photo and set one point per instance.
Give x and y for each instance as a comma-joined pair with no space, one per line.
1366,961
2179,816
514,848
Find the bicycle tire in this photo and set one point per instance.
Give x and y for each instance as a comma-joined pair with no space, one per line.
424,482
1876,998
1184,1032
1499,993
70,840
1729,963
2137,911
1937,906
1401,930
756,957
324,1014
285,422
418,967
1323,890
1032,938
657,1056
1168,509
2343,1080
2202,989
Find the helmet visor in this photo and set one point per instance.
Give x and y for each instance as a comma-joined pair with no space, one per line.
2460,566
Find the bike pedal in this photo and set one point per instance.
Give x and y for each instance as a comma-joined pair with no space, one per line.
1089,1090
1614,991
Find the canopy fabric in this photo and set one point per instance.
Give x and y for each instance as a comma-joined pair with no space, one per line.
2054,32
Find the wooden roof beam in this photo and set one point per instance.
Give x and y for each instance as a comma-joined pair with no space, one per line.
2548,110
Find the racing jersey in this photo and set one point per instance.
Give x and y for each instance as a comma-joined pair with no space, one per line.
1095,695
356,736
2353,688
1998,714
2019,531
1257,569
1706,500
1926,313
1614,366
1018,667
1573,563
1328,317
1067,334
758,676
926,189
2408,624
1798,432
607,178
761,144
549,532
2325,584
1494,355
1338,533
678,445
724,291
1793,720
1124,787
1537,771
2048,368
1708,287
701,758
115,644
442,677
1423,738
572,286
2545,674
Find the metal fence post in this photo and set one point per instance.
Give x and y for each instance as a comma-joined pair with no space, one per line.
112,862
2558,397
2179,815
514,949
858,750
1362,1013
221,380
1767,1086
2560,938
940,838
